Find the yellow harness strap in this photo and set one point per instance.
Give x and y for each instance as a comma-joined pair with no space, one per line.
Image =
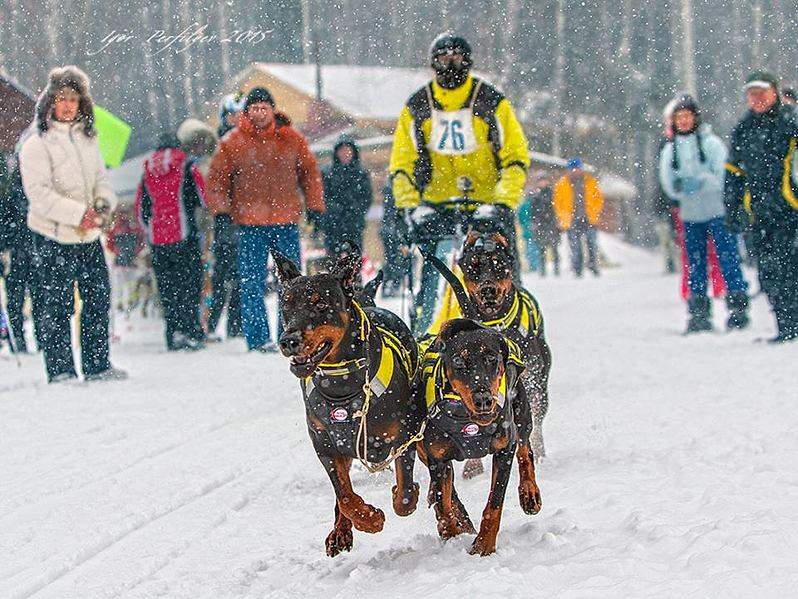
786,179
392,349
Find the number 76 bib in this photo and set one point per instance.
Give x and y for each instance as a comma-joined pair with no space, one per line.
452,132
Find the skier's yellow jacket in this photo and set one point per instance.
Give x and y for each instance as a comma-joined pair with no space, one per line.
496,167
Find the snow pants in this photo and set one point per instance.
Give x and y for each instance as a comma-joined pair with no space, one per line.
178,273
59,267
226,289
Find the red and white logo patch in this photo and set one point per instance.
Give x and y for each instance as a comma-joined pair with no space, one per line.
339,415
470,429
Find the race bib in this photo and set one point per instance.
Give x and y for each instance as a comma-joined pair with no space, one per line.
452,132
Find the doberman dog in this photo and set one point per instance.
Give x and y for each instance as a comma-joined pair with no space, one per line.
487,263
468,382
350,361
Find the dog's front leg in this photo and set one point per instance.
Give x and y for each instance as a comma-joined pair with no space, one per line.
405,493
340,539
364,517
528,491
485,543
442,492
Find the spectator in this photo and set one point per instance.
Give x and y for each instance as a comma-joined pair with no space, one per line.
170,192
545,229
347,197
578,202
64,179
21,277
761,193
691,171
255,178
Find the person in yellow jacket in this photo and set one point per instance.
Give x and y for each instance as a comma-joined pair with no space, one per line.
578,203
456,134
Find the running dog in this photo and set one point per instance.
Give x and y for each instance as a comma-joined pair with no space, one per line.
487,264
353,363
468,382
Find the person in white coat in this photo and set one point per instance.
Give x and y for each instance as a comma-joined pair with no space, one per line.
692,171
71,201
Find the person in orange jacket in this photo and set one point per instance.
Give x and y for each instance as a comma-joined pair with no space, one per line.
578,203
254,181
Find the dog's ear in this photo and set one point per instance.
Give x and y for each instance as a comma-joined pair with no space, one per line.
346,271
513,365
370,288
500,239
287,271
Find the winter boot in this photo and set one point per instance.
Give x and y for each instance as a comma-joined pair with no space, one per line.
787,325
700,315
737,303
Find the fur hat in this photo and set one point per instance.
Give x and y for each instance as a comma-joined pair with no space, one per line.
72,77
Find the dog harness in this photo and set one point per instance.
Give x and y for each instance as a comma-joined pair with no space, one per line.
447,413
523,316
336,402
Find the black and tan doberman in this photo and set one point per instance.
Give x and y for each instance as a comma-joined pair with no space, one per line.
468,383
351,359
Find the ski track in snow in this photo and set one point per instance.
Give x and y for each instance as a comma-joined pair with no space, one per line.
670,470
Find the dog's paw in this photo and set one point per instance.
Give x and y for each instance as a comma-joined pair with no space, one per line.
472,468
364,517
449,527
529,497
482,545
340,539
404,503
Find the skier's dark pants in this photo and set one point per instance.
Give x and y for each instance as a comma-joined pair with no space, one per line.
178,272
19,280
776,248
225,284
333,240
395,264
59,266
575,236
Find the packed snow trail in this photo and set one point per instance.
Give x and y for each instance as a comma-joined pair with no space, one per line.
670,470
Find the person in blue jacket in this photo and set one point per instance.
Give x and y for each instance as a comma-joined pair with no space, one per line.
692,172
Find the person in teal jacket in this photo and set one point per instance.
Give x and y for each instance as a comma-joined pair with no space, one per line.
692,172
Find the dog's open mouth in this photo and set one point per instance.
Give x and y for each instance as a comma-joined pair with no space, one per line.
304,365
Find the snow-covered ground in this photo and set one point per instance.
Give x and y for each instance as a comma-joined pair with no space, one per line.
671,471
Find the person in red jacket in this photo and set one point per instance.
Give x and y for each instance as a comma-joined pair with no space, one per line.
171,189
254,181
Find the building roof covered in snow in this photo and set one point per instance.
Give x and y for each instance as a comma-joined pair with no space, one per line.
364,92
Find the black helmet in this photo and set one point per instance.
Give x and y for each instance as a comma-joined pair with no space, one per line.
447,73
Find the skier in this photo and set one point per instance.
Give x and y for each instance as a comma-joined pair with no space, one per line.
691,172
170,191
457,132
762,193
71,201
578,202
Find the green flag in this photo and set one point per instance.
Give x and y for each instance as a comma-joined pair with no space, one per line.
112,134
